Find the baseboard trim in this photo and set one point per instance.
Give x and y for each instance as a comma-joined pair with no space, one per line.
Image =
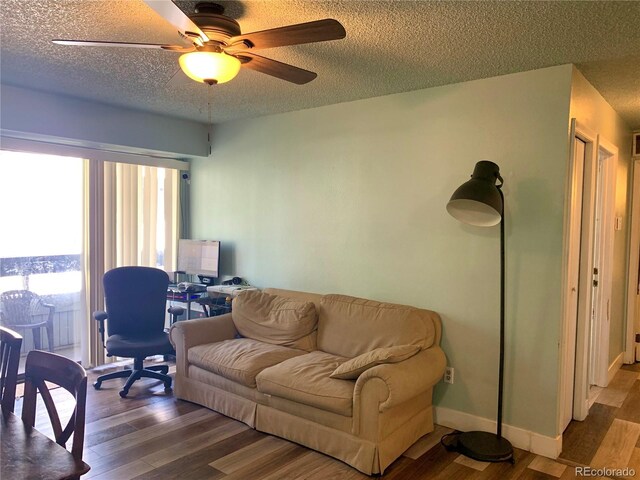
614,367
520,438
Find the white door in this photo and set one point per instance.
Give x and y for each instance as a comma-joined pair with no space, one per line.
573,277
602,273
633,292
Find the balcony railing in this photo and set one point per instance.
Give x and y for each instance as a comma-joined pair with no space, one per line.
57,279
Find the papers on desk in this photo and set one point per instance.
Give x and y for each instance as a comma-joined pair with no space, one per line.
232,290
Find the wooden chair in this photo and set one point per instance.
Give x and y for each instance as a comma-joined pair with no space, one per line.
25,310
44,367
10,343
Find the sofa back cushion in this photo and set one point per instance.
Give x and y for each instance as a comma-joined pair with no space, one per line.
350,326
275,319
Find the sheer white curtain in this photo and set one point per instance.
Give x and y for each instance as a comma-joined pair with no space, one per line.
132,219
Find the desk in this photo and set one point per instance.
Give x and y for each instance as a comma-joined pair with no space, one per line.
175,295
27,453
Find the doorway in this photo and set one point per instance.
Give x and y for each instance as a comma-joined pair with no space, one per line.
587,273
41,267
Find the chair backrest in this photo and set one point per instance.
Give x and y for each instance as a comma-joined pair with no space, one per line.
135,300
10,343
44,367
18,307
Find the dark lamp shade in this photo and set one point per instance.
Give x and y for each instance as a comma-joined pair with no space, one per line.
478,201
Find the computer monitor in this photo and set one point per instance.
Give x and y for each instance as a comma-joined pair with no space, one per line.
199,257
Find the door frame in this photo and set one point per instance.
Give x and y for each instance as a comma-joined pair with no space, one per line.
574,384
571,270
602,319
633,261
573,391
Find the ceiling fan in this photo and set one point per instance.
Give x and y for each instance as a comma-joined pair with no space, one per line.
215,47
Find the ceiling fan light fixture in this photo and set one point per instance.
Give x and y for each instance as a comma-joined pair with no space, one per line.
209,67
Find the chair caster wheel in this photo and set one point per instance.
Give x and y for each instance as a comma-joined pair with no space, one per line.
97,385
123,393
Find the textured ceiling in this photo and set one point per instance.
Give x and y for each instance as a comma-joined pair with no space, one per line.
391,46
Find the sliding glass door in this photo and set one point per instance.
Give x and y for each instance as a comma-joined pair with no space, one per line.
41,242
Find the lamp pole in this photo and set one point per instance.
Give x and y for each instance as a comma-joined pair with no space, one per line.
502,313
480,202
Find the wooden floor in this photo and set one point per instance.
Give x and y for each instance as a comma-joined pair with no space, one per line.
610,435
152,435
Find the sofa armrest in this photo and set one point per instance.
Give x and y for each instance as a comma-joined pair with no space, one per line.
404,380
189,333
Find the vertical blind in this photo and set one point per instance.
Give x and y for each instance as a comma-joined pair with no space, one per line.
132,218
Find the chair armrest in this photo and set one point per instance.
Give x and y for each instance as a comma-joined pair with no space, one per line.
404,380
175,312
100,316
52,311
187,334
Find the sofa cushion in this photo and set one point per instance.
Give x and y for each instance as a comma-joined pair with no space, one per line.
276,320
350,326
351,369
239,359
305,379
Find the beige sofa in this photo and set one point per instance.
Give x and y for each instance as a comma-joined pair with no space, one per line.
268,364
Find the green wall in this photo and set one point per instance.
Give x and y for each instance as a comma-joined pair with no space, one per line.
350,198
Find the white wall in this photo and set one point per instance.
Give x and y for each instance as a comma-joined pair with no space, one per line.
593,112
37,115
350,198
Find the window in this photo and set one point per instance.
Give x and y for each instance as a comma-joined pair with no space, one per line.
64,222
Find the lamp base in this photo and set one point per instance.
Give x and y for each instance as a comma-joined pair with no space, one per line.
484,447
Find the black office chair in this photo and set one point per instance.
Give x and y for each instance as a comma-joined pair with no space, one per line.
135,299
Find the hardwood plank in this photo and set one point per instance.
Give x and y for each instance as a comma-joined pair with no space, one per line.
163,412
430,464
634,461
266,465
304,466
118,419
506,470
633,367
616,392
630,409
119,458
581,440
240,458
618,445
529,474
124,472
100,436
457,471
194,443
427,442
471,463
163,430
548,466
331,468
184,467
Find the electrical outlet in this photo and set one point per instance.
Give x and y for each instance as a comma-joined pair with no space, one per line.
448,375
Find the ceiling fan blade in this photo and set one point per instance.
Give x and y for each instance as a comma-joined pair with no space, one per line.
95,43
276,69
176,17
318,31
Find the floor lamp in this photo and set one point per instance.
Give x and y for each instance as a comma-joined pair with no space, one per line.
480,202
